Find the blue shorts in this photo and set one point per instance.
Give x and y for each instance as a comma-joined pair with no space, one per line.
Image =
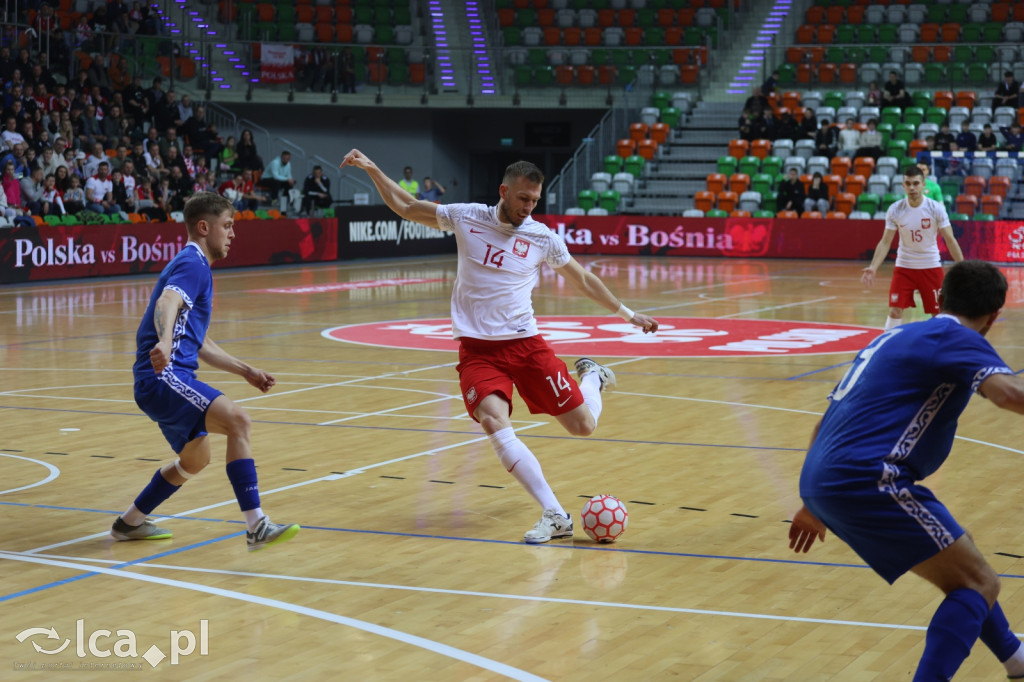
178,403
891,531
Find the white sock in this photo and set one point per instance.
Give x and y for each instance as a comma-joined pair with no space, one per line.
891,322
1015,664
524,467
590,387
133,517
252,517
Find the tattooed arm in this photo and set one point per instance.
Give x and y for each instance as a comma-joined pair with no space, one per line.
164,314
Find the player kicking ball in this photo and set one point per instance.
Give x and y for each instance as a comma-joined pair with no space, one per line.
500,252
172,339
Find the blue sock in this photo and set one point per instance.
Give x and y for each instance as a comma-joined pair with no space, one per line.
154,494
242,474
951,634
997,636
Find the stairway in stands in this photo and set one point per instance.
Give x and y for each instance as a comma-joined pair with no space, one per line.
680,170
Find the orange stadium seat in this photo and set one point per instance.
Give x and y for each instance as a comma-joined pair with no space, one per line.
815,14
689,73
942,53
805,35
552,35
999,185
647,149
344,33
564,74
930,32
831,215
716,182
638,131
545,16
738,148
835,15
864,165
727,201
761,148
944,99
791,99
572,35
916,146
974,185
626,148
951,32
739,183
324,15
673,35
659,132
787,214
966,98
828,73
811,215
992,204
833,182
739,214
855,14
841,166
626,17
966,204
686,16
705,201
845,201
585,74
855,184
847,73
826,34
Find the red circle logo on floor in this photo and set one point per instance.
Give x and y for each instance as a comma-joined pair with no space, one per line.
608,337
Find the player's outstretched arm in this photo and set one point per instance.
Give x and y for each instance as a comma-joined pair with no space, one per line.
215,356
952,244
867,276
397,199
1005,391
591,286
804,530
164,313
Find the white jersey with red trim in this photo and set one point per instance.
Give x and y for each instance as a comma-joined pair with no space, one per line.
919,231
498,267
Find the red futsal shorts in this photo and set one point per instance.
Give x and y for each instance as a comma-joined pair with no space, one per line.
543,381
905,281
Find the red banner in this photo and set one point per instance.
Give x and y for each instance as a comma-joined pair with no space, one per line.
64,252
1000,241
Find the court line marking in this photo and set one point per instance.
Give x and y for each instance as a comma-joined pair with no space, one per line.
779,307
397,635
54,473
329,477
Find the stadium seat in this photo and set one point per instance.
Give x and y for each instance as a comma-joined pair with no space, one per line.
717,182
845,202
728,164
750,165
634,165
974,185
739,183
600,181
647,149
623,183
787,214
609,200
967,204
727,201
626,147
587,199
738,148
613,163
992,204
750,201
841,165
704,201
999,186
760,148
855,184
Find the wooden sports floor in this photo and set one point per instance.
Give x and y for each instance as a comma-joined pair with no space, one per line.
410,564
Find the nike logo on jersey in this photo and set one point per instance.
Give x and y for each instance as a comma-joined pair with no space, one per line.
472,231
564,401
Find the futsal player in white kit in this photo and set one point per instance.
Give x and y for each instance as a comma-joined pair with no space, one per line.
500,252
920,221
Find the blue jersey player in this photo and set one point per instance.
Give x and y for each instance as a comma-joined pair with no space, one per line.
171,341
890,424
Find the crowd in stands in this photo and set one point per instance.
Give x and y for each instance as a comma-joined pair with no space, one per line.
99,142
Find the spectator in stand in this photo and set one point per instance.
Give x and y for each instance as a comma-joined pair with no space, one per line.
316,191
170,139
135,101
228,157
987,141
53,203
6,211
347,70
99,192
164,196
234,191
817,195
966,140
32,192
408,183
770,83
174,160
11,186
119,157
202,136
873,98
154,162
93,161
278,181
945,139
809,125
88,127
249,192
895,94
431,190
788,128
74,196
138,155
1014,139
185,111
849,139
791,193
871,141
130,186
17,157
825,139
188,159
113,126
248,158
181,186
203,183
48,162
757,103
1007,92
119,192
144,201
63,179
165,115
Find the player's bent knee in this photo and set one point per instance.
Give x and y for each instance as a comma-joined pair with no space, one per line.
581,426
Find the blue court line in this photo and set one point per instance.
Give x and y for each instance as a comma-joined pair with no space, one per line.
82,576
447,431
815,371
428,536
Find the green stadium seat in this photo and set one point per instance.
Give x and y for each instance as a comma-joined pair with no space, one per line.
897,148
763,183
634,165
892,115
670,116
587,199
888,200
921,99
716,213
886,130
935,115
959,216
750,165
727,165
914,116
613,164
764,214
609,200
868,202
984,216
834,98
772,165
905,132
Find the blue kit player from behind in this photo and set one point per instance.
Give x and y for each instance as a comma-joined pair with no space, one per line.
171,341
890,424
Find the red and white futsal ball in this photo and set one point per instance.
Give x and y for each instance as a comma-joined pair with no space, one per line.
604,518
